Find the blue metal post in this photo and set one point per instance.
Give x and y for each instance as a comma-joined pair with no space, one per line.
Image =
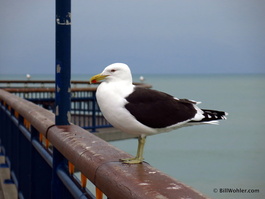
63,88
63,62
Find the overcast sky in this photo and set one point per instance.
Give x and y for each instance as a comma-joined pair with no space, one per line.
151,36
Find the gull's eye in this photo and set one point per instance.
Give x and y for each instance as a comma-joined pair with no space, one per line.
113,70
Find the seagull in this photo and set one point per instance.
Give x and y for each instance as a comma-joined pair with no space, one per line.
143,111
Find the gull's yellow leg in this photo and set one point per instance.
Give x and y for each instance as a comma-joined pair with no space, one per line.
140,150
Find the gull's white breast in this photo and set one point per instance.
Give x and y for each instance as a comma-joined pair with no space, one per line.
111,100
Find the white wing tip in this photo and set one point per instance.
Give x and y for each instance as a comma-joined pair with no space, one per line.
195,102
224,116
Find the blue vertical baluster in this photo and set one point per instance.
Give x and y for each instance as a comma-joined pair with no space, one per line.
40,169
94,112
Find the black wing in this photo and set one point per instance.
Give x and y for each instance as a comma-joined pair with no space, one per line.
157,109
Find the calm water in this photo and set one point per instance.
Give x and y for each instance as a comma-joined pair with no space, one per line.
231,155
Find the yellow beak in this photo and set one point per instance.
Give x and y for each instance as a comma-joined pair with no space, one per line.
97,78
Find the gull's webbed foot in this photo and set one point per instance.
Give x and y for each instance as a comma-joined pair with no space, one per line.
134,160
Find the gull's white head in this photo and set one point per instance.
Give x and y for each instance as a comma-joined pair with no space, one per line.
114,73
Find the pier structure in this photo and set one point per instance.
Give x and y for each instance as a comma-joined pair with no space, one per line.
28,138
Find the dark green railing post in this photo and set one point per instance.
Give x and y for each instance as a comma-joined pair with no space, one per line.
63,88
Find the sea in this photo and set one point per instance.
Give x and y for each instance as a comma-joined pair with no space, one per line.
225,161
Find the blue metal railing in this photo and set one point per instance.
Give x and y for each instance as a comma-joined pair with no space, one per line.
85,110
28,139
29,160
